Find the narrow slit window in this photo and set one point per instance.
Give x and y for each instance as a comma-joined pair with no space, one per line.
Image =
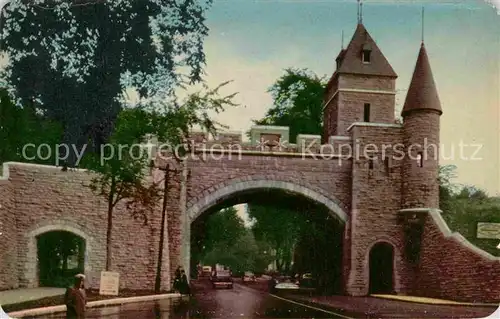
370,164
386,164
367,112
420,159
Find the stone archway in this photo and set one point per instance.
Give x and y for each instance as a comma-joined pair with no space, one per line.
30,271
226,190
381,268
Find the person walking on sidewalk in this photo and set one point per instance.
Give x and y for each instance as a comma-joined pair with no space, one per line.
184,287
76,299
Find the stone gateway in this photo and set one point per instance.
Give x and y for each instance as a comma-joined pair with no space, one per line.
377,177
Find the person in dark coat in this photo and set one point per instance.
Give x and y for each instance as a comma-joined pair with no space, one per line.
75,299
184,288
177,279
271,284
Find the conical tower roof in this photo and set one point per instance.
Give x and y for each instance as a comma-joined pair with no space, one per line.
352,63
422,94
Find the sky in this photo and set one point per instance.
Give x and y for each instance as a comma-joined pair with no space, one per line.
252,42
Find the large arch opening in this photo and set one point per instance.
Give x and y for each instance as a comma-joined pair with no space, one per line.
60,256
381,265
308,242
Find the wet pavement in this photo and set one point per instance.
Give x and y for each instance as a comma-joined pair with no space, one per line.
239,302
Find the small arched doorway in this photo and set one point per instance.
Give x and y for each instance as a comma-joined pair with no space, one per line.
381,263
61,255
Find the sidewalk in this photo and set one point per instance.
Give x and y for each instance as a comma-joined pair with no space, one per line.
8,297
384,308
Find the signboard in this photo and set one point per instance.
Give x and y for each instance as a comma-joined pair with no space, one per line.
109,283
488,230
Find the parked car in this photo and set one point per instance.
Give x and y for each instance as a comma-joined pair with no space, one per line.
307,281
248,277
222,278
285,283
206,271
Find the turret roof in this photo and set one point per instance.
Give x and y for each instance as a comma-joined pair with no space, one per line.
422,93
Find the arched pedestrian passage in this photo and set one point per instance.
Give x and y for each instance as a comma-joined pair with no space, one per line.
381,265
37,258
60,255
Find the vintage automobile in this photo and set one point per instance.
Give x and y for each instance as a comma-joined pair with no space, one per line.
248,277
284,283
205,271
222,278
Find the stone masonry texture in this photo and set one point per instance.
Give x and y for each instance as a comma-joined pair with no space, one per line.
369,184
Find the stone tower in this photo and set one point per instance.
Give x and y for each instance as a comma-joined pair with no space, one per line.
362,87
421,115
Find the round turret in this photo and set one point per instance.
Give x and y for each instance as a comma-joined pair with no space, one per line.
421,125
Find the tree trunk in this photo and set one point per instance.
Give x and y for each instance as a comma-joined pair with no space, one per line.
162,234
65,263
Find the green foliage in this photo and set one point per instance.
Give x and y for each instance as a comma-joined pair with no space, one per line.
20,126
172,124
122,165
297,103
228,242
75,61
465,206
467,213
223,229
54,249
280,228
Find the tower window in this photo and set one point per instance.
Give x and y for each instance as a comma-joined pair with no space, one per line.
367,112
370,163
367,56
386,164
420,159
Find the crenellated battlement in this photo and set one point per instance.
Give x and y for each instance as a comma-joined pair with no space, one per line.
265,140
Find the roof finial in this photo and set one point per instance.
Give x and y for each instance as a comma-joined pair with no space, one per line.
361,12
422,25
359,17
342,39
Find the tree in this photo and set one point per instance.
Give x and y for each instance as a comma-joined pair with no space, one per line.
446,187
122,175
297,103
298,97
22,126
228,242
73,60
280,228
223,228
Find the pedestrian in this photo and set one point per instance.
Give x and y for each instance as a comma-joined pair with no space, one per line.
271,284
76,299
184,284
177,279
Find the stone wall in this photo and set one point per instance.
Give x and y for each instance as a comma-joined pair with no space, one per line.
452,268
47,200
351,109
8,235
376,200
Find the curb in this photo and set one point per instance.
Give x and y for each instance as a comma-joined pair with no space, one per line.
441,303
92,304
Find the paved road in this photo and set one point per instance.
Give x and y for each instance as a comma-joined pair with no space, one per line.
239,302
247,303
